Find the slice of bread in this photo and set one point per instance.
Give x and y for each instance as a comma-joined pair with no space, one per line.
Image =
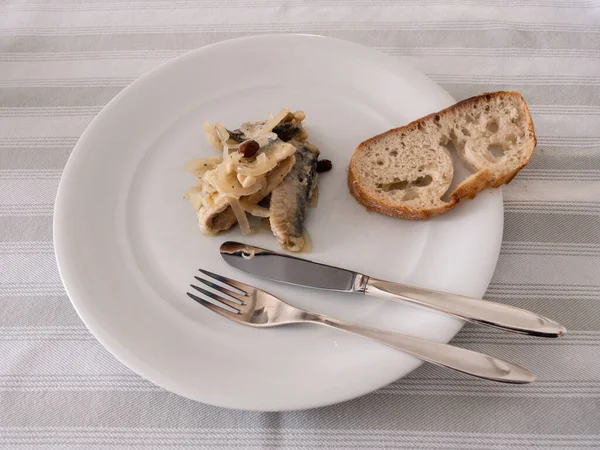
407,171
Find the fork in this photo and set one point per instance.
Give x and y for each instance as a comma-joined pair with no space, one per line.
251,306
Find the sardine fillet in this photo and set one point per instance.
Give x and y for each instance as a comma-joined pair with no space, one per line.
289,200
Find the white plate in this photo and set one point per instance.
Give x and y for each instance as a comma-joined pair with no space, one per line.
127,243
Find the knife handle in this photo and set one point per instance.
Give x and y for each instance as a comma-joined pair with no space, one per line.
474,310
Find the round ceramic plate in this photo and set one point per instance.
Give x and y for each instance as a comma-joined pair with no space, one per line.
128,246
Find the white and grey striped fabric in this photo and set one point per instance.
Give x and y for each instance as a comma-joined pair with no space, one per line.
61,61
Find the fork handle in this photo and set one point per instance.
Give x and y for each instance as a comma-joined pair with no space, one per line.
456,358
470,309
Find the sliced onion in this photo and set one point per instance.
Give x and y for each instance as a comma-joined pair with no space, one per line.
240,215
280,150
254,209
272,123
229,185
258,167
249,256
222,133
266,138
252,129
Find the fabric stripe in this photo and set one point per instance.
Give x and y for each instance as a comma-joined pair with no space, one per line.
544,248
38,142
33,210
485,52
305,438
440,387
58,111
308,27
470,335
31,288
450,79
184,4
49,111
30,174
184,40
292,438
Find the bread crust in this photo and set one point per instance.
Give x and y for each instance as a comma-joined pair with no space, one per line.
469,188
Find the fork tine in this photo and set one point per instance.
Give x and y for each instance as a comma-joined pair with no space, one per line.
219,298
245,288
222,289
214,308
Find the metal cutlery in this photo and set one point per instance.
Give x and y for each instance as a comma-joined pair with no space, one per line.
290,269
248,305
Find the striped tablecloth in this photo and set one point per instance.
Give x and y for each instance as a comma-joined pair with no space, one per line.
61,62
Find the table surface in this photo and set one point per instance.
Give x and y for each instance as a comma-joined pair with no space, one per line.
61,62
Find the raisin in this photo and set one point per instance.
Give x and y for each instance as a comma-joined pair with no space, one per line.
324,165
249,148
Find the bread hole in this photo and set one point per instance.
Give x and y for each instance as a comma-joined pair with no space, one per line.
397,185
410,195
487,107
423,181
420,126
466,132
492,126
400,185
452,143
437,118
511,138
394,152
469,118
380,162
449,145
496,150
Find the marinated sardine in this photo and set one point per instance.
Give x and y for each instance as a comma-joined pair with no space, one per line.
267,170
221,217
289,200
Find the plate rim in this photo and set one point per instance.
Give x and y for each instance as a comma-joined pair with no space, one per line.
114,350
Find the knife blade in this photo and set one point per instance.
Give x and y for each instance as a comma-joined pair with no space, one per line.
302,272
288,269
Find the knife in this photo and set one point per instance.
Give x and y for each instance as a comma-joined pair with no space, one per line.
302,272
